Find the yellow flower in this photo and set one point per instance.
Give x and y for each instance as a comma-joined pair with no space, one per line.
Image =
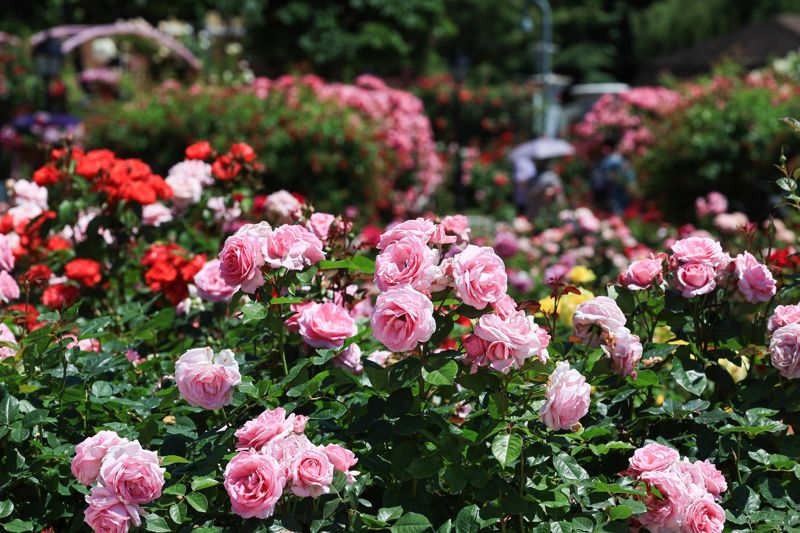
566,305
662,333
581,274
738,373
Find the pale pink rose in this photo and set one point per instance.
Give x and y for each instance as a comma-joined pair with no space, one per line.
260,231
85,345
326,325
380,358
419,227
566,399
292,247
205,380
653,457
293,322
108,514
783,316
667,512
625,351
193,169
704,515
27,192
457,225
298,422
406,261
730,222
713,203
642,274
156,214
784,349
312,473
699,250
350,359
89,455
23,213
504,343
505,306
342,459
240,263
266,427
440,236
282,208
587,222
255,483
714,480
320,224
595,319
9,290
133,474
7,336
286,449
210,285
755,280
694,279
480,276
6,253
186,188
402,318
442,276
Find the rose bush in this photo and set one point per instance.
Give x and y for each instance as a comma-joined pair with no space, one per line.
250,363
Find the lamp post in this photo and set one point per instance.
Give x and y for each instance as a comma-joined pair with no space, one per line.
460,66
540,121
48,58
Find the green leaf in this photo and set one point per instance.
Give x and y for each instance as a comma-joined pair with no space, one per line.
411,523
6,507
568,468
253,311
9,409
94,326
506,447
197,500
177,512
34,418
620,512
172,459
200,483
691,380
17,526
468,520
389,513
156,523
441,376
102,389
363,264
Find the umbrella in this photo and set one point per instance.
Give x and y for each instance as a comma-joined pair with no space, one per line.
542,148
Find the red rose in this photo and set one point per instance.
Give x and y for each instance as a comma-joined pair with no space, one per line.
29,315
243,152
56,243
60,295
225,168
199,150
84,271
95,162
46,175
37,275
160,273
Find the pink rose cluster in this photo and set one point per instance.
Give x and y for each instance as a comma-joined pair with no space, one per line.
566,399
122,475
681,495
205,380
699,265
714,203
601,323
408,271
784,345
254,246
274,458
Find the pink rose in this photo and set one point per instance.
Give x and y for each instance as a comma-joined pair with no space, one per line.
506,244
667,511
210,285
286,449
784,349
402,318
156,214
282,208
625,351
260,231
186,190
506,307
380,358
755,280
642,274
594,320
255,483
6,253
350,360
783,316
730,222
714,480
266,427
480,276
504,343
9,290
28,192
405,261
89,455
419,227
653,457
326,325
704,515
320,224
457,225
694,279
292,247
566,399
312,473
107,514
205,380
7,336
293,322
240,263
713,203
342,459
133,474
298,422
699,250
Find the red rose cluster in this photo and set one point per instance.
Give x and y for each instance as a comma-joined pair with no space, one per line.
170,270
240,156
119,179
